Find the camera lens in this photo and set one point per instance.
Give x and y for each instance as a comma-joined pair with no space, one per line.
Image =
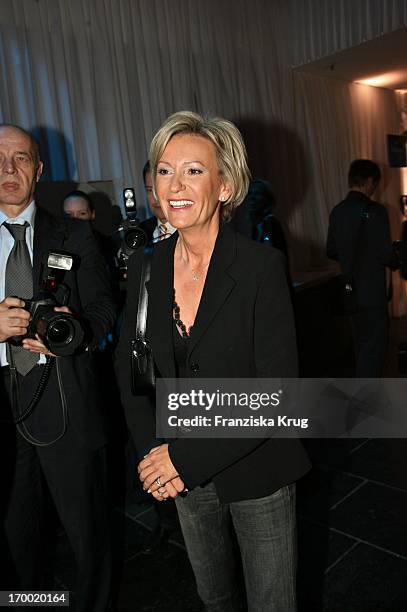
60,331
135,238
64,334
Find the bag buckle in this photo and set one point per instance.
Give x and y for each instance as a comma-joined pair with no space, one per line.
139,352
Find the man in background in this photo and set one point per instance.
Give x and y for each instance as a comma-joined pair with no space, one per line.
156,227
255,217
78,205
359,238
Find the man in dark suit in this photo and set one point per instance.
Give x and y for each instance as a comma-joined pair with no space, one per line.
359,238
62,441
255,217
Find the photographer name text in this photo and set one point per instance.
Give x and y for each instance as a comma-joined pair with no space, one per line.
226,422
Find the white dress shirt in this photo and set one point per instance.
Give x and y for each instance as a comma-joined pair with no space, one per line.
6,246
158,234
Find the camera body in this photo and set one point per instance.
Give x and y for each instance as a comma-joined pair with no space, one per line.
62,333
133,237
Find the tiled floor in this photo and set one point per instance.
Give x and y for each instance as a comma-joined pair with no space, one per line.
352,510
352,535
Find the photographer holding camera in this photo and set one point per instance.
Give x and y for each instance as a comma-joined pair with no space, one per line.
52,426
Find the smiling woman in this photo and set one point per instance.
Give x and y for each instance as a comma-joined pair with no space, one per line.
189,185
218,307
228,146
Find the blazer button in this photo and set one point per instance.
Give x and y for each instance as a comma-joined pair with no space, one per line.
194,367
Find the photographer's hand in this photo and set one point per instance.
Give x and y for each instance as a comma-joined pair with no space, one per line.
13,318
63,309
37,346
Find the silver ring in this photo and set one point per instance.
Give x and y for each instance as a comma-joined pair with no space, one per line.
158,481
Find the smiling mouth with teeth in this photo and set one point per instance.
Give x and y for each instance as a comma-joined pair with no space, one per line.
180,203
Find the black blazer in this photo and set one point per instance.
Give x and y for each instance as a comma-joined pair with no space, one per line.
90,297
374,250
244,328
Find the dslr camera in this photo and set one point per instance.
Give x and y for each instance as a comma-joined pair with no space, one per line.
62,333
132,235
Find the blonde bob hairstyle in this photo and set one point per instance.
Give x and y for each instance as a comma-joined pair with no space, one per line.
229,146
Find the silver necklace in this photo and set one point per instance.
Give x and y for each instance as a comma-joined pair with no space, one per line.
196,276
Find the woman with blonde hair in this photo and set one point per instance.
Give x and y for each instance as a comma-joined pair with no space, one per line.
218,307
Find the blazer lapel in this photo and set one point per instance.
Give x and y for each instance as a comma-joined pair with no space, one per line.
160,289
219,284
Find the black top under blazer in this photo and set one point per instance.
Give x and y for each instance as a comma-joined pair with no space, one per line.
244,328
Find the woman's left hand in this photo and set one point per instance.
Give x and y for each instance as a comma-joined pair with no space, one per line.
171,489
157,464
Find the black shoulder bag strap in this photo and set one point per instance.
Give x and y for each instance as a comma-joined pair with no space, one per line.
142,362
143,295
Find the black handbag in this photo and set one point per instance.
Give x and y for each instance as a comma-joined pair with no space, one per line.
142,360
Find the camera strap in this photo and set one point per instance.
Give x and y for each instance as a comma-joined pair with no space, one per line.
22,427
22,415
14,389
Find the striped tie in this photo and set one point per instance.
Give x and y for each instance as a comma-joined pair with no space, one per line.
163,229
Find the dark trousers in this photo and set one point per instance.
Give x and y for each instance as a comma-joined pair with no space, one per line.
370,331
76,477
266,533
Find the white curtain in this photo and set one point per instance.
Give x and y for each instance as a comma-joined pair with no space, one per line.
95,78
322,27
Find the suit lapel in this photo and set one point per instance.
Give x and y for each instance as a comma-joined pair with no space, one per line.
49,234
218,285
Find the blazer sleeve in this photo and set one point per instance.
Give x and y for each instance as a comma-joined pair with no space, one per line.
275,345
388,253
275,353
138,410
98,306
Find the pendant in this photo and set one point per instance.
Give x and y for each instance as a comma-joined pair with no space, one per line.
195,276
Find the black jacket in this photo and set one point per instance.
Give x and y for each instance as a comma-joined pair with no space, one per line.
90,298
373,248
244,328
149,225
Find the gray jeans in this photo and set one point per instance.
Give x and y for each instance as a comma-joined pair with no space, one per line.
266,533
